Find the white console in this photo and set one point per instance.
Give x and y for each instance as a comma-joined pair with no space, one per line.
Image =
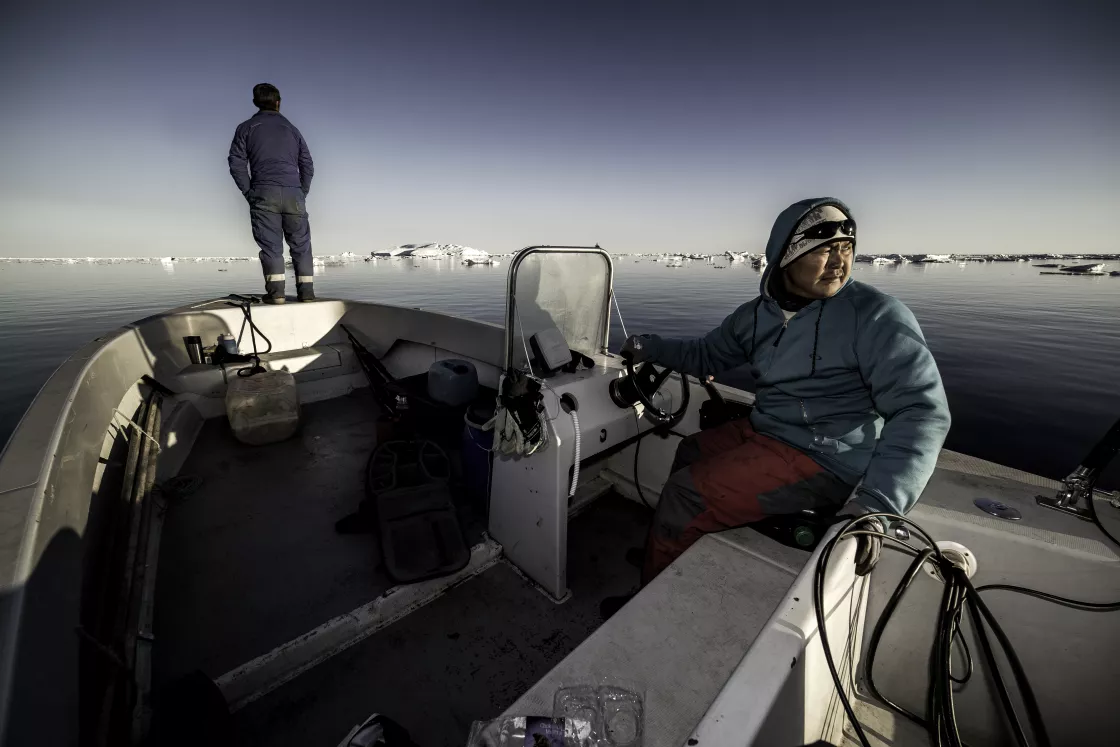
529,495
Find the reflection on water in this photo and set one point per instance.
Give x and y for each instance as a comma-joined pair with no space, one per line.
1029,360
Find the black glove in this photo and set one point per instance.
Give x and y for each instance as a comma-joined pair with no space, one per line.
868,548
637,349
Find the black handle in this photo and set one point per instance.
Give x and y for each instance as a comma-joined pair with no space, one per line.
713,393
242,299
1105,449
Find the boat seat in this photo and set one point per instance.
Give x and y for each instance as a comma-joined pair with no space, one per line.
682,636
306,364
802,531
314,362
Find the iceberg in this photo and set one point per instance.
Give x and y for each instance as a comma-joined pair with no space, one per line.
427,251
471,256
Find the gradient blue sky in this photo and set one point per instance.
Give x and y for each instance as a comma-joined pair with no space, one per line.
967,127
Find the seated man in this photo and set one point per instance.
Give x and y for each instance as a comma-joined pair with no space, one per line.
849,402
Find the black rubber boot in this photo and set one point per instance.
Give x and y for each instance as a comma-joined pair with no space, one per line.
306,291
273,291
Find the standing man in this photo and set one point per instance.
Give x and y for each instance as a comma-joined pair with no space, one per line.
271,165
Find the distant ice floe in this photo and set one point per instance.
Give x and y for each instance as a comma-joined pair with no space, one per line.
465,254
469,256
420,251
164,261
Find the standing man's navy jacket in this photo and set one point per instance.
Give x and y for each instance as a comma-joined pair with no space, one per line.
268,150
271,165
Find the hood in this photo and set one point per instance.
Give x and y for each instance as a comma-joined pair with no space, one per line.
783,229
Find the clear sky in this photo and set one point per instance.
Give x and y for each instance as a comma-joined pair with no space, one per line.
948,126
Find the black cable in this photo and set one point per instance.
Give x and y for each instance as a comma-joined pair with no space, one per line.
934,697
1025,689
897,544
1097,521
1065,602
848,531
877,634
967,655
818,601
941,683
940,721
943,729
637,450
254,330
997,678
822,631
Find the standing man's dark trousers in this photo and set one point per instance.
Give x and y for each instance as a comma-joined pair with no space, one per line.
279,213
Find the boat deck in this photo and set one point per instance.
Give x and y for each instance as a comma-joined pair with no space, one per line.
251,559
251,562
467,655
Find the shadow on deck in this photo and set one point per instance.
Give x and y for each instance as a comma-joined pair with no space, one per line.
468,655
251,560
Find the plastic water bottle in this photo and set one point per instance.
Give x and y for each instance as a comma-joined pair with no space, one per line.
228,342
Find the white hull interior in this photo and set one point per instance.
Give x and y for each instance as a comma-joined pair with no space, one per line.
305,635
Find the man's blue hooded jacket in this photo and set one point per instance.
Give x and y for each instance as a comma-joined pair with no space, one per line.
851,382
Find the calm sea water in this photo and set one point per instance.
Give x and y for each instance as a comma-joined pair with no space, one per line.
1031,362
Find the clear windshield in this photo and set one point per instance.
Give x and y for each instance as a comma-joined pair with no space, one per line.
562,288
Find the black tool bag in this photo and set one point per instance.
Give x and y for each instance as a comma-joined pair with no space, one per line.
416,518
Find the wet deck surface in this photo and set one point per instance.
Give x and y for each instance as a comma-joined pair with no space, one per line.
468,655
251,560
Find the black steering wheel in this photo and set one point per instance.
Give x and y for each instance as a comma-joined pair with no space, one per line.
649,379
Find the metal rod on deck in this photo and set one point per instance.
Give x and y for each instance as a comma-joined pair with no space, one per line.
138,633
1076,494
118,634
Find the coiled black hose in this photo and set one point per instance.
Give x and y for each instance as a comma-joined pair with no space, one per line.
940,719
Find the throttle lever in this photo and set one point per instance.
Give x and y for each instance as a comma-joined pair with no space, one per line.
713,393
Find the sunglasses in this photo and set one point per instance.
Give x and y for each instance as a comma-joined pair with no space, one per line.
829,228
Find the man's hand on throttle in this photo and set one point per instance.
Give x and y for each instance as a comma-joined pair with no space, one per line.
636,348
